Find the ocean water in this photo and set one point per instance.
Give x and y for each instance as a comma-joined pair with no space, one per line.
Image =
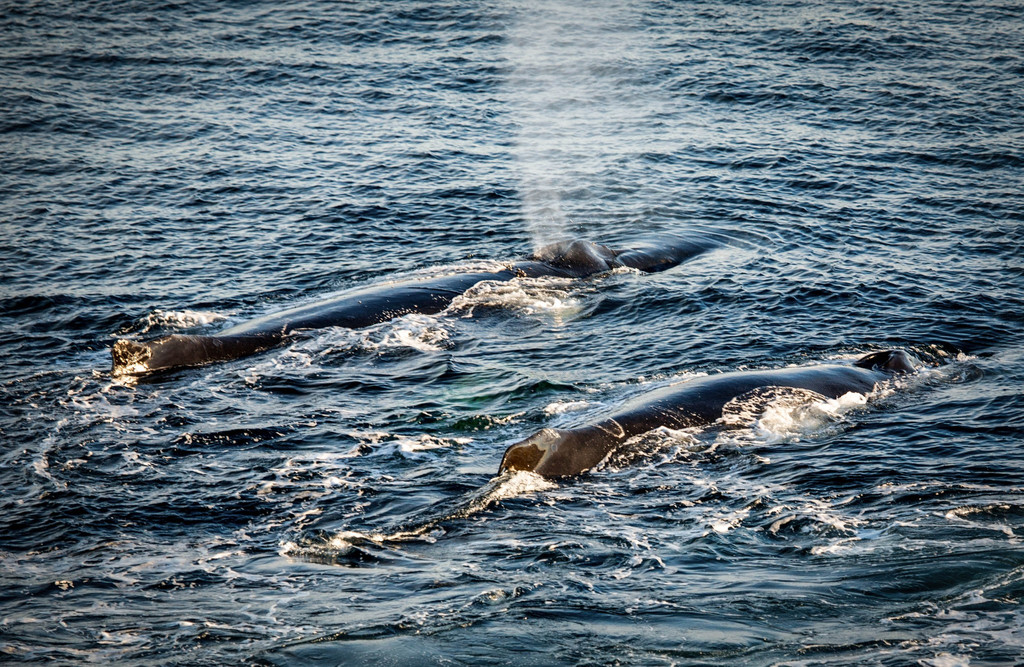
180,167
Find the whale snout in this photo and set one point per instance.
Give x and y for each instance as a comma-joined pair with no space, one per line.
528,454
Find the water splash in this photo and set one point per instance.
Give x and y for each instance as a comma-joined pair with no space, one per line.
527,296
786,414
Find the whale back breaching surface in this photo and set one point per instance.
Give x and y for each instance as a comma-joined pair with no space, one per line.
565,452
372,305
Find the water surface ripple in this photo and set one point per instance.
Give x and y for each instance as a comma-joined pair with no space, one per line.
182,167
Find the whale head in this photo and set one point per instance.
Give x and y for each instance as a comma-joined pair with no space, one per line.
528,454
889,361
577,258
553,452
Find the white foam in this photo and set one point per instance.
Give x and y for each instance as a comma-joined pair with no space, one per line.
974,515
419,332
377,443
675,445
308,354
41,467
785,421
819,512
519,483
527,296
506,486
135,464
98,406
473,266
561,407
781,414
509,485
426,443
945,659
179,319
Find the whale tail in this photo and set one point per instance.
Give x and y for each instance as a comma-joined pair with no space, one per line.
892,361
131,357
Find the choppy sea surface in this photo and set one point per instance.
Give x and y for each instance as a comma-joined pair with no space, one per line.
180,167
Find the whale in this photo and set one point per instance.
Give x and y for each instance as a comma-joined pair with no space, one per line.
698,402
364,307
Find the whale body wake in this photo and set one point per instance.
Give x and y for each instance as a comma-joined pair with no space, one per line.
372,305
564,452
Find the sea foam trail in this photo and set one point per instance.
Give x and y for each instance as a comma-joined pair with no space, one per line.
504,486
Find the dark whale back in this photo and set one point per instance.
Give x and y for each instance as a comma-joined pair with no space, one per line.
369,306
666,253
559,453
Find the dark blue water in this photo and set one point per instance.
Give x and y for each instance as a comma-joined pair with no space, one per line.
185,166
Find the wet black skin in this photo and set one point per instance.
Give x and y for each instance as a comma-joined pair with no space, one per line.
362,308
565,452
